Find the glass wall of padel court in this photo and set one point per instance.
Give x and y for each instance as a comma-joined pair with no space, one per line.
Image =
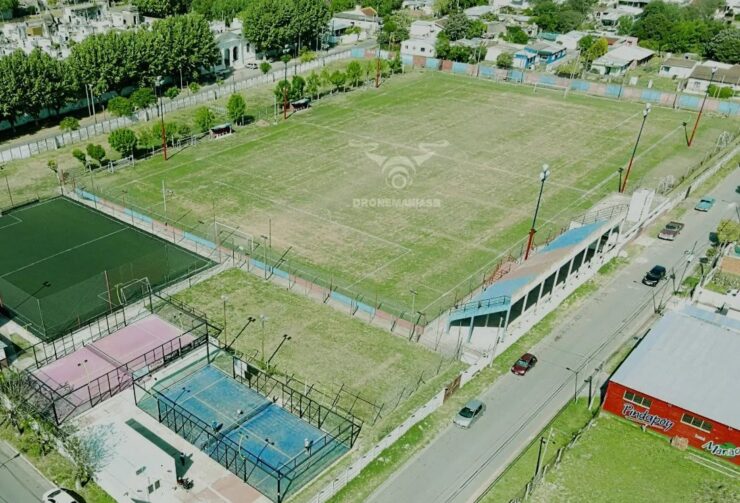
63,264
270,435
83,373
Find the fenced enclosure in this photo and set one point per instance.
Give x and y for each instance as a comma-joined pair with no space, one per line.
91,371
66,264
276,443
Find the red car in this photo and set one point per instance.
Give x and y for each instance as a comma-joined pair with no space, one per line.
523,364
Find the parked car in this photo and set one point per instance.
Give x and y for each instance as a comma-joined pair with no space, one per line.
58,495
654,276
524,364
469,414
705,204
670,231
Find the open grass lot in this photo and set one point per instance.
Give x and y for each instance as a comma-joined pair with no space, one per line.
616,461
327,348
306,182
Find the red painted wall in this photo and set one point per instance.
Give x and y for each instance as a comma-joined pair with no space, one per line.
666,419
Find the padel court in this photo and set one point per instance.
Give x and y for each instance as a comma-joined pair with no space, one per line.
109,365
62,264
255,437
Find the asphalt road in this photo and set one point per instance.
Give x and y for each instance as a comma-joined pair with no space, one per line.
20,482
459,464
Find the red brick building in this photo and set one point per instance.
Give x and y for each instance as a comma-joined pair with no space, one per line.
683,380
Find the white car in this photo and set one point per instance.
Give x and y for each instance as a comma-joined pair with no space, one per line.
58,495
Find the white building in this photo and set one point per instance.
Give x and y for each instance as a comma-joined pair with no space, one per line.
236,52
677,68
366,19
422,39
570,40
724,76
617,61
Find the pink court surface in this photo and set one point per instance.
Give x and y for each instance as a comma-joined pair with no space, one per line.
108,365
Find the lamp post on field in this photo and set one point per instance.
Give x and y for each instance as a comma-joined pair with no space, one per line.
645,113
619,185
286,338
263,319
224,299
544,174
264,253
701,109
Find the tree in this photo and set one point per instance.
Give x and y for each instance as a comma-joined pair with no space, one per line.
272,24
313,83
123,141
516,35
13,83
204,119
80,156
725,46
222,10
237,108
568,69
354,74
15,392
476,29
172,92
88,453
170,132
624,25
457,26
180,44
162,8
504,60
325,77
338,79
282,90
728,231
120,106
96,152
265,67
719,91
597,49
297,87
585,43
69,124
396,64
8,5
395,30
142,98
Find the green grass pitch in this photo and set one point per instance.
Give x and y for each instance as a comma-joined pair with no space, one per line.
334,183
62,264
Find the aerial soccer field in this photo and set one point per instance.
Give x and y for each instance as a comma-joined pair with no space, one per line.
419,186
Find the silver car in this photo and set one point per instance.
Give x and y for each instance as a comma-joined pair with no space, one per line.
469,414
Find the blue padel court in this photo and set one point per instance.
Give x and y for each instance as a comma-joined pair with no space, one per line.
270,448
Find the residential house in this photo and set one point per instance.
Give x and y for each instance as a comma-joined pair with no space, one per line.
677,68
547,53
525,59
84,13
570,40
609,18
495,50
236,52
423,6
495,29
617,61
125,16
422,39
478,11
366,19
724,76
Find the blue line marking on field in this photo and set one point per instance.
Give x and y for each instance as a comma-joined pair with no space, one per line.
137,215
199,240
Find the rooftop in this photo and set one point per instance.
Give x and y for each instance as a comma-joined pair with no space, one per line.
704,72
680,62
689,359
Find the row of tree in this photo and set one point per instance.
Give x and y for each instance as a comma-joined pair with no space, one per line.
176,46
271,25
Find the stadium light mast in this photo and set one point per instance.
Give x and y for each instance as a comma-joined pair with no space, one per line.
645,113
701,109
544,174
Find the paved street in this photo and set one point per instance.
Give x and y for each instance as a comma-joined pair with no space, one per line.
459,464
19,481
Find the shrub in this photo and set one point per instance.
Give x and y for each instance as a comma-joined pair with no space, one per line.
123,141
204,119
69,124
142,98
120,106
504,60
80,156
237,108
96,152
172,92
194,87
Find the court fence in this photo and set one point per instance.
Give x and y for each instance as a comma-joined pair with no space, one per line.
62,401
273,480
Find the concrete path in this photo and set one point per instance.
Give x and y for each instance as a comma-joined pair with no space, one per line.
460,464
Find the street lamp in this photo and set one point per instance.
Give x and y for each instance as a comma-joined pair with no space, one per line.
286,338
645,113
263,319
264,253
701,109
575,389
619,184
544,174
285,59
7,183
225,299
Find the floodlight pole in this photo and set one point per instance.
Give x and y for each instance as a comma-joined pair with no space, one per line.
286,337
701,109
544,174
575,390
645,113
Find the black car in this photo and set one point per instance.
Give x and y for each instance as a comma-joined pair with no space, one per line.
654,275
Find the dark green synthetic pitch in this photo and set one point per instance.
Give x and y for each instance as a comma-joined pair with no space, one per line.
63,264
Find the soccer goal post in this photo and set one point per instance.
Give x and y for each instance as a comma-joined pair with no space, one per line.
232,237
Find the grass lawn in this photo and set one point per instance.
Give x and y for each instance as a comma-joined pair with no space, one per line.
616,461
327,348
58,469
421,185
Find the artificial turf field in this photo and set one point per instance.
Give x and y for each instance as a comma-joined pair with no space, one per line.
314,183
63,264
